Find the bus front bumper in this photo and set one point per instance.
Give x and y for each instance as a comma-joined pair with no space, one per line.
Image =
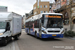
51,35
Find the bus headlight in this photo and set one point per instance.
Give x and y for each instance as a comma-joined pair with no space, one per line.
1,33
44,31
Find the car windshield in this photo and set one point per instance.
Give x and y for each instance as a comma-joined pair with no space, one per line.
2,25
53,23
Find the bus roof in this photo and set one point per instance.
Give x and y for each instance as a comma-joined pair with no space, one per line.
37,16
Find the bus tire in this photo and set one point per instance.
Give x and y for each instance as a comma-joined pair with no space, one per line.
36,34
27,33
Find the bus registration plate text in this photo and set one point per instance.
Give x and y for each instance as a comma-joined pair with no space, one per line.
53,35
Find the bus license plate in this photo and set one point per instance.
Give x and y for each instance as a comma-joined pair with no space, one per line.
53,35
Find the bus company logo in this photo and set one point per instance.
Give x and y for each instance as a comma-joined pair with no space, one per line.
53,16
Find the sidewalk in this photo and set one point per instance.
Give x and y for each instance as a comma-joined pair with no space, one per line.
73,38
68,27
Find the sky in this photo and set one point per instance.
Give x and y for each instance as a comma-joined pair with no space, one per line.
20,6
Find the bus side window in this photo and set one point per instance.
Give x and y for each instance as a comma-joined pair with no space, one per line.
31,24
35,24
26,24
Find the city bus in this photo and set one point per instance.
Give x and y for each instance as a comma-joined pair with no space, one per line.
45,25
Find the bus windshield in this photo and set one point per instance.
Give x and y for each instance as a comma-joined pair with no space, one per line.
2,25
53,22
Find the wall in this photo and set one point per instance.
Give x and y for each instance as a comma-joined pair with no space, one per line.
37,10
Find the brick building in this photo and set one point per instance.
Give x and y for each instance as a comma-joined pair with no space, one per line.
43,7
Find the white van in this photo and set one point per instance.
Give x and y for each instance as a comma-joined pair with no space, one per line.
10,26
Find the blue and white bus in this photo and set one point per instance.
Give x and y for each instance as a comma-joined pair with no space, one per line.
45,25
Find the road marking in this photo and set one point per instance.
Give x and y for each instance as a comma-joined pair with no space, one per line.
15,46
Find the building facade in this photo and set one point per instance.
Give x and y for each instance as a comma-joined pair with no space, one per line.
43,7
53,7
23,21
30,14
65,8
3,9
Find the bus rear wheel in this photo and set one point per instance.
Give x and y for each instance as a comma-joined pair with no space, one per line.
35,34
27,33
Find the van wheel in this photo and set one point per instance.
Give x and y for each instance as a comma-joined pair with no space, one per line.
5,42
16,38
10,38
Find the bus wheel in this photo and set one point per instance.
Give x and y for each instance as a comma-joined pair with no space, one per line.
52,38
35,34
27,33
5,42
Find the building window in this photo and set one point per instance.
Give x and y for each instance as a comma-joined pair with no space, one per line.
46,11
59,1
46,6
40,6
66,18
41,11
73,1
58,6
68,2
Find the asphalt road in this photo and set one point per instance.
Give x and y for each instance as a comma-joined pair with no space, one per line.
27,42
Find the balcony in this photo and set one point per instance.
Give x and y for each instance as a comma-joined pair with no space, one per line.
60,9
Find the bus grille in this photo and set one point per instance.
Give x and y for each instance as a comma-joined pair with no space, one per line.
53,31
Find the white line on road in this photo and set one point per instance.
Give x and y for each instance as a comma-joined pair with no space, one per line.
15,46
